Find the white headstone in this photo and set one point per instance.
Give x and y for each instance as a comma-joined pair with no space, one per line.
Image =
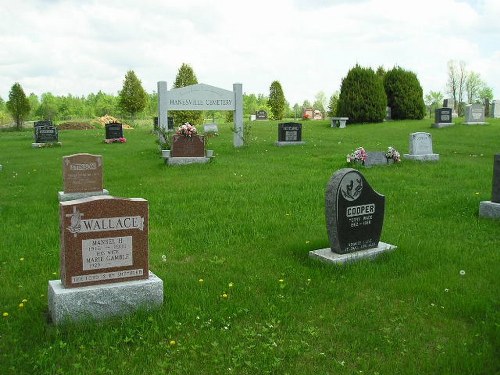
421,147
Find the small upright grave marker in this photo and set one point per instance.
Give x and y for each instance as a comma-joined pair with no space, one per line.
421,147
442,118
261,115
114,133
491,209
495,109
474,114
289,133
104,248
82,177
46,134
354,217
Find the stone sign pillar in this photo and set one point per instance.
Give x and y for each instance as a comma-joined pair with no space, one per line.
162,106
354,219
491,209
238,115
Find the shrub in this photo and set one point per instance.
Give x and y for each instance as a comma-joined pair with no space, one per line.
404,94
362,96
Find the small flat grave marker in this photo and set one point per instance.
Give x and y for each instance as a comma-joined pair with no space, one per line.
354,217
376,158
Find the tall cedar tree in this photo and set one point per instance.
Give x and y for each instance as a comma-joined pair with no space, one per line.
132,97
276,101
18,105
362,96
404,94
186,77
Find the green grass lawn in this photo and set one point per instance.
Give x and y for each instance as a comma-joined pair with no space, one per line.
230,240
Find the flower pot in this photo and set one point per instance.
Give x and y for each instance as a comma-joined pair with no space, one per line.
210,153
165,154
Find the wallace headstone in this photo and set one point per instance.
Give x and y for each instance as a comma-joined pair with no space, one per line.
354,219
421,147
104,260
82,177
491,209
289,133
474,114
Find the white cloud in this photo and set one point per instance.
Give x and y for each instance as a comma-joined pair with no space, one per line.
80,47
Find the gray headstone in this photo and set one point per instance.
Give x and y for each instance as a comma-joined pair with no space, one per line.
354,212
376,158
474,114
495,195
210,128
495,109
421,147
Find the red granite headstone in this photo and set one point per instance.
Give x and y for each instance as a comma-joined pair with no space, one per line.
82,173
188,146
103,240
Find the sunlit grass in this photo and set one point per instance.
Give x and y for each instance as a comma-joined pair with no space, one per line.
231,239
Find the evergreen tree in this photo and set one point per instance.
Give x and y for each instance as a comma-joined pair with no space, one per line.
276,101
186,77
404,94
18,105
132,97
362,97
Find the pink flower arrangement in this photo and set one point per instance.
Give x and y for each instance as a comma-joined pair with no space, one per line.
116,140
393,154
187,130
358,155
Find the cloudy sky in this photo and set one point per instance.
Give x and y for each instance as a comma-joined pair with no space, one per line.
83,46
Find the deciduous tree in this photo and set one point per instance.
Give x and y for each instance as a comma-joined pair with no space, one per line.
18,105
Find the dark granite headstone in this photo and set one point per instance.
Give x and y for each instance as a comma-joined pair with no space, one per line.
354,212
46,134
443,116
170,123
290,132
114,130
495,195
261,115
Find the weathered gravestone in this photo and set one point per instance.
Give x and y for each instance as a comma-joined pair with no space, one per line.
104,260
388,114
354,219
289,133
442,118
376,158
261,115
421,147
82,177
474,114
45,133
114,130
491,209
495,109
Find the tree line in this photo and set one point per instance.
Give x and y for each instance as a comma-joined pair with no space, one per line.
363,97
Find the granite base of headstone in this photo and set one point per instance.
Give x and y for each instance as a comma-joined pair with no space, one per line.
491,209
421,147
82,177
474,114
104,260
354,217
103,301
443,117
184,160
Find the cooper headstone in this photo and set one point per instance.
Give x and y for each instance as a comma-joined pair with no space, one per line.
354,218
421,147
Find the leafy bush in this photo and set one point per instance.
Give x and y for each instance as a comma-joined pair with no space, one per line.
404,94
362,96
